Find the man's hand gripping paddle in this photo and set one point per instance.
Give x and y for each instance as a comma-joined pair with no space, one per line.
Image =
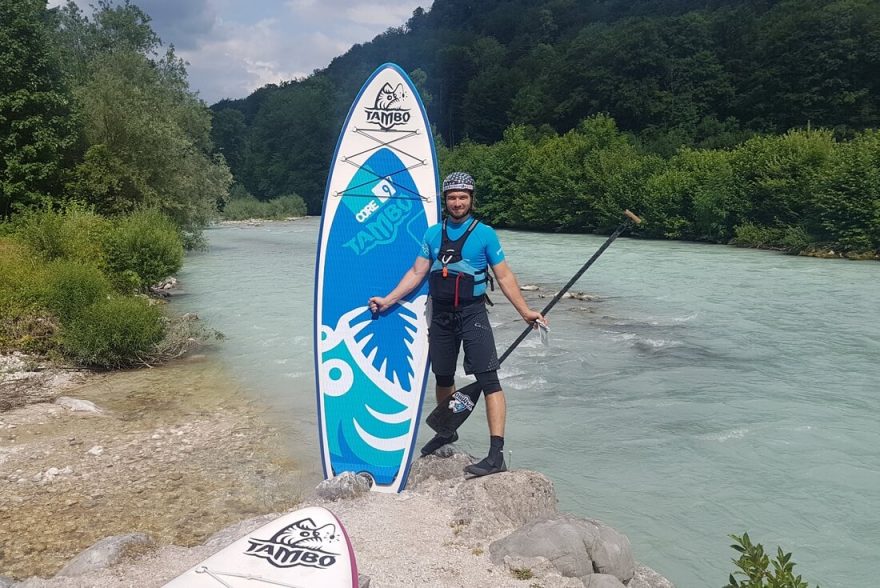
449,415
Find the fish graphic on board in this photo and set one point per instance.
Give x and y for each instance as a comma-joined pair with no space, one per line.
388,97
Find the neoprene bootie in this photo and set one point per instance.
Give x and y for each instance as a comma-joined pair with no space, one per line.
437,442
485,467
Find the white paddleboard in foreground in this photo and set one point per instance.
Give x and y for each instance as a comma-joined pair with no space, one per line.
308,548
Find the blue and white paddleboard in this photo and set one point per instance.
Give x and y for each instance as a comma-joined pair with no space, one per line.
308,548
382,194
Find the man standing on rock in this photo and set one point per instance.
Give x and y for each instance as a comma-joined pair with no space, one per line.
455,257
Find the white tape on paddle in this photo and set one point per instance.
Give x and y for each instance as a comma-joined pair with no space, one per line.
544,331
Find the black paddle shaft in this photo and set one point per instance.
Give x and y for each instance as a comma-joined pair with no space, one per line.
621,228
446,418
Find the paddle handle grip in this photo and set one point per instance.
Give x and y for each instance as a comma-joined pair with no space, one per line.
632,217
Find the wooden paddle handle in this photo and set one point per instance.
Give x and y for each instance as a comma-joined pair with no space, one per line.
633,217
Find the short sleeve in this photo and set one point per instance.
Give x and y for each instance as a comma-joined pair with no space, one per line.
494,251
425,248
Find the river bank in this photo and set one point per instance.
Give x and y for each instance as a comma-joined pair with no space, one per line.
177,454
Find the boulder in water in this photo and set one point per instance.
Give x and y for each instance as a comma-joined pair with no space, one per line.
103,554
77,405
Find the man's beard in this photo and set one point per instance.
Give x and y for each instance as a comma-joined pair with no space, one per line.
461,216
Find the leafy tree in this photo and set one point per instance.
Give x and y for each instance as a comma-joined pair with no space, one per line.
847,198
778,175
114,28
36,129
693,198
148,140
292,140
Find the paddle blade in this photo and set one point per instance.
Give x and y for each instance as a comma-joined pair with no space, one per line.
449,415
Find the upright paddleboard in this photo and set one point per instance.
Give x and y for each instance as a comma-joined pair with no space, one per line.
308,548
381,197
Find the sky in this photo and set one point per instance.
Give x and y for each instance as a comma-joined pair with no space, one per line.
234,47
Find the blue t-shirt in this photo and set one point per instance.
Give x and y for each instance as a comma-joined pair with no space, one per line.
481,249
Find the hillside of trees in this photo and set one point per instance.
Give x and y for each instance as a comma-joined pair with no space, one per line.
107,171
671,75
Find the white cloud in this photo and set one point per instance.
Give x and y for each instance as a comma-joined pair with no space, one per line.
385,15
238,59
234,47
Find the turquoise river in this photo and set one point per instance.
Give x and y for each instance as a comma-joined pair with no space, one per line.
707,390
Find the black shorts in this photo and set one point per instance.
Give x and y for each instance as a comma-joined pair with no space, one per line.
449,329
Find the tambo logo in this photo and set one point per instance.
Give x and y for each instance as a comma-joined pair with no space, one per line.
387,111
299,544
461,402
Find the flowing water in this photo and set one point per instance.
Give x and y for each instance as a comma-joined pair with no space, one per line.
707,391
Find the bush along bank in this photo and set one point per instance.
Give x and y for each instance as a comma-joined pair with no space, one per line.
73,287
243,206
804,192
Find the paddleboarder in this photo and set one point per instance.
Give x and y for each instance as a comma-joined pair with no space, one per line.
455,257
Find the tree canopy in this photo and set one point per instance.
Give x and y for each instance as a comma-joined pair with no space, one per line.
95,110
698,74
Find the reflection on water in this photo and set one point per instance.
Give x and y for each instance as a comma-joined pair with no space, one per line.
179,453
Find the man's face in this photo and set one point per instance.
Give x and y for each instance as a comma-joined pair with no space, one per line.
458,203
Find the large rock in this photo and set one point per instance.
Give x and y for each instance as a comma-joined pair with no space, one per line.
541,569
6,582
645,577
345,486
432,469
103,554
577,548
501,502
602,581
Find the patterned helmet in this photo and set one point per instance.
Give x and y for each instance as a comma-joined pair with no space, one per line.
458,181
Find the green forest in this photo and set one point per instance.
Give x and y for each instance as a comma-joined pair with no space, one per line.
750,122
745,122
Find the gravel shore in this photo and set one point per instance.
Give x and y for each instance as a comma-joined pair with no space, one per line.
178,455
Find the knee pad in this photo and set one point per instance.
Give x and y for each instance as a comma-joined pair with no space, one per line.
445,381
489,382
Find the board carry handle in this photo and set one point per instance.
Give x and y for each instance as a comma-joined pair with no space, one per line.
443,419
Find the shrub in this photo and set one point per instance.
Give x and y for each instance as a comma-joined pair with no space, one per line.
242,209
246,207
42,231
143,248
75,232
753,565
289,206
752,235
22,278
73,286
115,332
848,196
25,323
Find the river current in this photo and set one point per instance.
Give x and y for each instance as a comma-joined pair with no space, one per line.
706,390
